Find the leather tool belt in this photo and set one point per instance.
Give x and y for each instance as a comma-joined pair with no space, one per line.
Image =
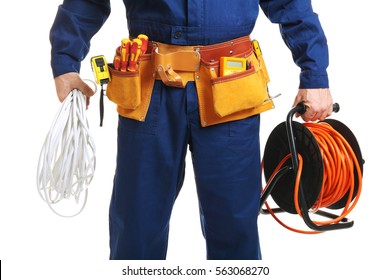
221,98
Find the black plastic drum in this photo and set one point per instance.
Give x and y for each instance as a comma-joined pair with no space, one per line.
277,148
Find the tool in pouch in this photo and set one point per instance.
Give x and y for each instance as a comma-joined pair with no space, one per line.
128,58
259,56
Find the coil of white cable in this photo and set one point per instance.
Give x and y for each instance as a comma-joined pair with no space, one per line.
67,159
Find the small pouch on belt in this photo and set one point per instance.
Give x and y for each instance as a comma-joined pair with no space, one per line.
125,88
132,90
237,92
168,66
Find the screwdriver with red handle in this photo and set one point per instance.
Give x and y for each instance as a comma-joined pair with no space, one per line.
135,51
145,41
117,62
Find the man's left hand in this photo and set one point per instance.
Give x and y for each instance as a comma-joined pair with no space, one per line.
318,103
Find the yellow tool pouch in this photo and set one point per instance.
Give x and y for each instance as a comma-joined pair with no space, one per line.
237,92
132,91
221,99
234,96
125,88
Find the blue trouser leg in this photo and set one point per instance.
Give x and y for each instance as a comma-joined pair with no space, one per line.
226,160
150,173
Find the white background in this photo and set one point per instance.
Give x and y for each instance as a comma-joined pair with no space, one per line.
37,244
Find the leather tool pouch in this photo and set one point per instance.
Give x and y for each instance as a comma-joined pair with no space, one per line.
125,88
232,97
132,91
237,92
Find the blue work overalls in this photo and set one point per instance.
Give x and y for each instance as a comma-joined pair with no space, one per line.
151,154
150,173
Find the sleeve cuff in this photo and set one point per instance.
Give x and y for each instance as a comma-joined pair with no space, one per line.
64,64
314,79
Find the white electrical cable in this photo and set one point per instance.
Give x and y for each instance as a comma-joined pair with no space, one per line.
67,160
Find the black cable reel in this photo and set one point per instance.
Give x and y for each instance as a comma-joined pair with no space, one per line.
294,138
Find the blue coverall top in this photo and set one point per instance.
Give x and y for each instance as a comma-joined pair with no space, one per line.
193,22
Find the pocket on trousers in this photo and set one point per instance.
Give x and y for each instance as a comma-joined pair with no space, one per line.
124,89
237,92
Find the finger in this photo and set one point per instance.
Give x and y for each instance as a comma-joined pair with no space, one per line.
301,110
87,101
310,114
326,112
309,117
86,90
324,115
306,118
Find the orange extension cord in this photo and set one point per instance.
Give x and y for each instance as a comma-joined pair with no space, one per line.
340,163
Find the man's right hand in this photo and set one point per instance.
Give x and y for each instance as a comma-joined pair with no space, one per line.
65,83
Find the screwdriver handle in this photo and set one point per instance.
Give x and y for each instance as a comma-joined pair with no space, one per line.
134,54
145,41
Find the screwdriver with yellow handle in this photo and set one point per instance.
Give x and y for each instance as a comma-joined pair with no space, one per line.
125,50
145,40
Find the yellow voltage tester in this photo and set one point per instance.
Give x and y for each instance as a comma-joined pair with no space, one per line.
231,65
102,76
100,69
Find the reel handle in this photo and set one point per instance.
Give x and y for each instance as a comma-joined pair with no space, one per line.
301,108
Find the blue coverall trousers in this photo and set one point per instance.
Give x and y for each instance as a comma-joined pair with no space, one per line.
150,173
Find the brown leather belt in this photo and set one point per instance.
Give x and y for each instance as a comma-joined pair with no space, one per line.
221,98
176,65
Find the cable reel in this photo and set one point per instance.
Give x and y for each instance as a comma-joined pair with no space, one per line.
305,172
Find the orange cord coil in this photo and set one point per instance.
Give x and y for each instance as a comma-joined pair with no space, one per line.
339,180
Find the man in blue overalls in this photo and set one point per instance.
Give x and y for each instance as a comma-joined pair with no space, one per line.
151,153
